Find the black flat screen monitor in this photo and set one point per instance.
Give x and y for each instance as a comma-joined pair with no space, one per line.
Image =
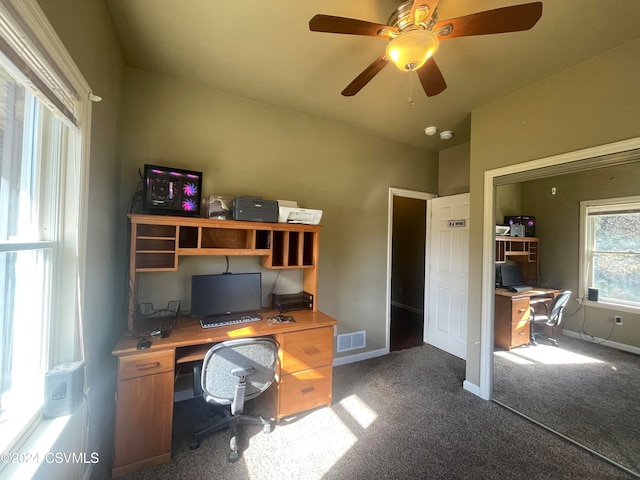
226,293
510,275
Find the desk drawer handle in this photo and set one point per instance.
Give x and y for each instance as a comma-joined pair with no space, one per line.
147,366
311,351
522,310
307,390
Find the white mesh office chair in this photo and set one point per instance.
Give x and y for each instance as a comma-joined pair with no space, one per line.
551,317
232,372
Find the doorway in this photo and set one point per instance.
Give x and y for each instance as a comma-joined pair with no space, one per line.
406,282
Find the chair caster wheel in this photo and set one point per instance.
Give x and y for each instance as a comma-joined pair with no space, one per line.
268,428
194,444
233,457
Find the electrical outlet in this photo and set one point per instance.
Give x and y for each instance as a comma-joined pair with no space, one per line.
618,319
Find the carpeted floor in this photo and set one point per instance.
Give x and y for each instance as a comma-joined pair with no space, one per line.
404,415
586,391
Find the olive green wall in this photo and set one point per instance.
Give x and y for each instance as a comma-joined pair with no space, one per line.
593,103
506,200
453,171
86,31
248,148
558,227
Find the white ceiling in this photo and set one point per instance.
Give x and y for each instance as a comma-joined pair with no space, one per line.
264,51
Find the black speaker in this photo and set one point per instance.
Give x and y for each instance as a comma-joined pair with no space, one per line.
592,294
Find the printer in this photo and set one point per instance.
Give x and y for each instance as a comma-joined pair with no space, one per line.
255,209
289,212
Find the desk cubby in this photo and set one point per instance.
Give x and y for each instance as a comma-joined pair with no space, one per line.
292,249
154,247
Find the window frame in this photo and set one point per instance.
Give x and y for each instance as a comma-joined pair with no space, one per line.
586,242
24,20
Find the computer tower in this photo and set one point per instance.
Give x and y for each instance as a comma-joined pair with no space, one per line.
64,389
527,221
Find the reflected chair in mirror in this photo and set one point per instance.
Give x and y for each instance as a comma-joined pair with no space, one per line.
551,317
233,372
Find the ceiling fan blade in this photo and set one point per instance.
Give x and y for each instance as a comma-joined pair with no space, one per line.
423,15
350,26
501,20
365,77
431,78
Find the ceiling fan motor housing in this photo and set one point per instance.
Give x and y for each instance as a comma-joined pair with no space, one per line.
401,18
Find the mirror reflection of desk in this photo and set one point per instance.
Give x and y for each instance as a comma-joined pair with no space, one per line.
511,315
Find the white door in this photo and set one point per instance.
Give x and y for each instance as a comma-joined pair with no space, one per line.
448,274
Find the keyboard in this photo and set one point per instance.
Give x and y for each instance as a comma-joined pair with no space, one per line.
519,288
229,319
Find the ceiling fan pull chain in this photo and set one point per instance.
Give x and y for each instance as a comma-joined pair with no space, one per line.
410,100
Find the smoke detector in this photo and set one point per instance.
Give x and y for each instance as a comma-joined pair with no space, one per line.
430,131
446,135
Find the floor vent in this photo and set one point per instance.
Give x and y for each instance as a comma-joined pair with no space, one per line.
352,341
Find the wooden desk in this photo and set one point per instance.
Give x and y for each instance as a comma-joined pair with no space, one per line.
145,390
511,315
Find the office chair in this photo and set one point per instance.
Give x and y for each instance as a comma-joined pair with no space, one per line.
551,317
232,372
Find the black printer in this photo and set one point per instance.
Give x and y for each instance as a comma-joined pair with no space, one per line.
255,209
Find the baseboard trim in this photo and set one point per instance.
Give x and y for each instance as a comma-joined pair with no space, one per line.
359,357
602,341
472,388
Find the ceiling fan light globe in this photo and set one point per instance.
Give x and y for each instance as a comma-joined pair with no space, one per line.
411,49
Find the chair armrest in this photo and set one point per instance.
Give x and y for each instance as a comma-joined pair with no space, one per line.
540,300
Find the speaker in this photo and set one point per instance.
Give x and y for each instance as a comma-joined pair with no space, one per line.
63,389
592,294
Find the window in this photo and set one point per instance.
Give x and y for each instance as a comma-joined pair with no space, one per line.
611,250
42,141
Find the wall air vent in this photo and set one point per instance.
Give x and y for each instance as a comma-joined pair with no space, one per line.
351,341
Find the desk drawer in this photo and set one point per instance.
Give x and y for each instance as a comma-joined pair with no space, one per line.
142,364
520,333
519,310
306,349
305,390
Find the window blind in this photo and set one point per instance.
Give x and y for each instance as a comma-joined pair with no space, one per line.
31,67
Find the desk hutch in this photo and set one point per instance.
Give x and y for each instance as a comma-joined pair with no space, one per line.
145,384
522,250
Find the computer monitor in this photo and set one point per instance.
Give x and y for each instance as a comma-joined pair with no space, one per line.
226,293
510,275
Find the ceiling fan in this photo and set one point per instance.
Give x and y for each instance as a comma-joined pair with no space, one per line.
415,32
